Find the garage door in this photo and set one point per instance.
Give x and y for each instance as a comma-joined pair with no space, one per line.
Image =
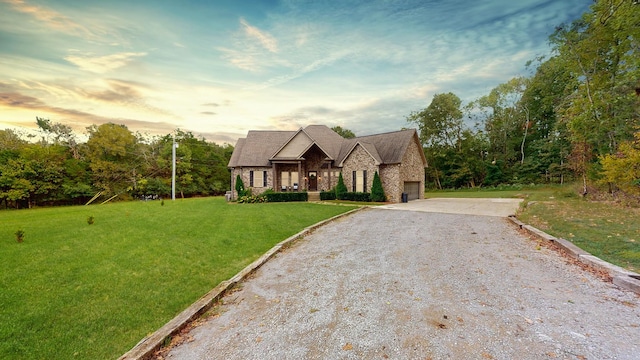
412,188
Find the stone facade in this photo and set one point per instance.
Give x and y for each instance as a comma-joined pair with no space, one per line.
390,179
412,168
245,175
359,159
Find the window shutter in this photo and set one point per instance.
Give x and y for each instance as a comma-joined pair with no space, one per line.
364,181
264,178
354,176
251,178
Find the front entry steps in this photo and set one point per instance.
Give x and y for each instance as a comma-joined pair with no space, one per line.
313,196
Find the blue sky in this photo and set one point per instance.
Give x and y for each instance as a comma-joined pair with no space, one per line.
222,67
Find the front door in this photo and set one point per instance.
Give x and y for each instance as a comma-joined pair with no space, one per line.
313,181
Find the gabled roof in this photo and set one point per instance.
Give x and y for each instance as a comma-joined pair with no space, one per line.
390,146
303,140
259,148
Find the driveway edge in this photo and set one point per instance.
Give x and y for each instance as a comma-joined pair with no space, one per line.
621,277
146,348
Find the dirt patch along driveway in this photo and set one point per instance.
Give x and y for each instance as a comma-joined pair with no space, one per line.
415,285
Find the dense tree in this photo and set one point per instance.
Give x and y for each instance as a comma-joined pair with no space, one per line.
56,169
345,133
441,126
601,52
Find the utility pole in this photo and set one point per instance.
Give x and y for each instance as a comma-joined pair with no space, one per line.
173,168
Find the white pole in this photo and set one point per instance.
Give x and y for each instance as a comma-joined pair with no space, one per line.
173,169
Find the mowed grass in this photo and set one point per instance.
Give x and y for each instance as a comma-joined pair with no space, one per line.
604,229
77,291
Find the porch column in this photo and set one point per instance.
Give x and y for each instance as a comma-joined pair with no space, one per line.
274,170
300,176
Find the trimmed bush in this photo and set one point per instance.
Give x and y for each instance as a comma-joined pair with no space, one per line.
286,196
377,192
356,196
328,195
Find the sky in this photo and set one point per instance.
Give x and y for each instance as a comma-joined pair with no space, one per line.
219,68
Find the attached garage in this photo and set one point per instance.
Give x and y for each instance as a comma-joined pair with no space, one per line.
412,188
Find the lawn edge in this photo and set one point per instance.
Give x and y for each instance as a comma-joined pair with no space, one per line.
621,277
146,348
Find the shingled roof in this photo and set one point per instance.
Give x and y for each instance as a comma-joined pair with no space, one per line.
260,146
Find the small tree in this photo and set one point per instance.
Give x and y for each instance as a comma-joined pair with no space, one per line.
341,188
377,192
240,186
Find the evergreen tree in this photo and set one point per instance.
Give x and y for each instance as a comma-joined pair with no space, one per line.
377,192
240,186
341,188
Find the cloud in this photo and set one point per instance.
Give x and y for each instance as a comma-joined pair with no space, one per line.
49,18
208,113
119,92
80,119
103,64
127,93
248,51
264,38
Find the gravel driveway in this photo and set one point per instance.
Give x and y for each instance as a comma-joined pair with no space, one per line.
417,285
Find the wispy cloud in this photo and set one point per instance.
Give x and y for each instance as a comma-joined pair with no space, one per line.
263,37
50,18
252,48
103,64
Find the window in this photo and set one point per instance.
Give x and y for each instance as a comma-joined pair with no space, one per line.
354,181
257,178
359,181
288,180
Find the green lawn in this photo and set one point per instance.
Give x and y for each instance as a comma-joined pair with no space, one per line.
74,290
604,229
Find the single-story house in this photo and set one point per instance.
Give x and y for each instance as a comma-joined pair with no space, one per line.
311,159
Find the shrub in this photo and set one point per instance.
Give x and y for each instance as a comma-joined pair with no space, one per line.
252,199
328,195
240,187
341,188
286,196
377,192
356,196
90,220
20,235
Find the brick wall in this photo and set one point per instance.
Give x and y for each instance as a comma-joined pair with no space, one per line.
412,168
359,159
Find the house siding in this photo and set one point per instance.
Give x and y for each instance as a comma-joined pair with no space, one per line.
412,167
358,160
246,177
391,183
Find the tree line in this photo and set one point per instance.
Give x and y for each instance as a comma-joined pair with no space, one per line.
114,162
576,118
